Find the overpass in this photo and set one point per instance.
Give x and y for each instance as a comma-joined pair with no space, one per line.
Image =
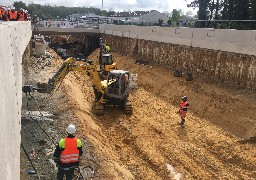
91,36
47,31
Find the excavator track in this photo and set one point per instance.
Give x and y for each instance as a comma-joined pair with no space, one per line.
98,109
127,107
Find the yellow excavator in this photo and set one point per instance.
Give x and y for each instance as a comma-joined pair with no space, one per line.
112,91
106,60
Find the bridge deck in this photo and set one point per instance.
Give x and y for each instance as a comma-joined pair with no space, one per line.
66,31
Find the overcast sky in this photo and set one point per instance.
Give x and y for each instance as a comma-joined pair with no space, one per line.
117,5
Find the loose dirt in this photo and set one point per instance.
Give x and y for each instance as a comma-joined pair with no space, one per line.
150,144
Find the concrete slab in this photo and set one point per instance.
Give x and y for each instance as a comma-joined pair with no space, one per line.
16,36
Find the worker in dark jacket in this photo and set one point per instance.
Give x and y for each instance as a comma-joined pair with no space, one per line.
67,154
3,14
1,10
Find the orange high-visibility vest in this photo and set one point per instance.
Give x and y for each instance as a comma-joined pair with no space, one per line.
21,17
70,153
183,105
13,15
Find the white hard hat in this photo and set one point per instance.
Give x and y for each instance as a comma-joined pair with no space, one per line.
12,7
184,97
71,129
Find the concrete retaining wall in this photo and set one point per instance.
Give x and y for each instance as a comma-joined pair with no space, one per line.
228,67
14,37
237,41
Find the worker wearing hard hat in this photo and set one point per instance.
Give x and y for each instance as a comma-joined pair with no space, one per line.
67,154
26,15
1,9
3,13
13,14
21,16
184,105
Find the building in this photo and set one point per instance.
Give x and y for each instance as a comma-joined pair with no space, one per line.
152,18
74,17
187,22
138,17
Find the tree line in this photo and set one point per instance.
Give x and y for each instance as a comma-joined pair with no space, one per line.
226,10
46,12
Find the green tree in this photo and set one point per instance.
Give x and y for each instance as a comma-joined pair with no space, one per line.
176,15
111,12
19,4
169,22
160,22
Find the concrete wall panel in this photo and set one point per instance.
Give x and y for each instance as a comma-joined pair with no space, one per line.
118,33
16,36
108,31
217,39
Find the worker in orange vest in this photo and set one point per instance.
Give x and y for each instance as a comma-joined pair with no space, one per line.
184,105
13,14
1,9
67,154
3,14
21,16
26,15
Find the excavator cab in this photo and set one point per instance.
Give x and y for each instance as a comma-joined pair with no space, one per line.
107,59
106,63
118,89
118,84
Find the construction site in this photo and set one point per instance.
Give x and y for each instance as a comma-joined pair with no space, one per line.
133,131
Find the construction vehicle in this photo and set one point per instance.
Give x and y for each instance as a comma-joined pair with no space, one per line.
112,91
106,59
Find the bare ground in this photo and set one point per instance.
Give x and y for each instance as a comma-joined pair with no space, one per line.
150,144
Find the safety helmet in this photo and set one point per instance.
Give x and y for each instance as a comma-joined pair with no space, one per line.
71,129
12,8
184,98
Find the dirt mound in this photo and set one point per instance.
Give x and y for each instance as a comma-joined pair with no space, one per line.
44,120
150,144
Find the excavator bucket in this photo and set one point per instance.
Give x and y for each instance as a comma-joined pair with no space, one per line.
43,88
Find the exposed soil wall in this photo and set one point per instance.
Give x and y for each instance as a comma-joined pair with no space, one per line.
230,68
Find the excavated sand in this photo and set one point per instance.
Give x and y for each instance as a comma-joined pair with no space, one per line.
150,144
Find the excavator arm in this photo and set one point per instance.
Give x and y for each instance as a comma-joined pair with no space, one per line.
57,77
111,91
68,66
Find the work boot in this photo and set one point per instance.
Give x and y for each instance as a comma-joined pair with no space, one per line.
182,123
